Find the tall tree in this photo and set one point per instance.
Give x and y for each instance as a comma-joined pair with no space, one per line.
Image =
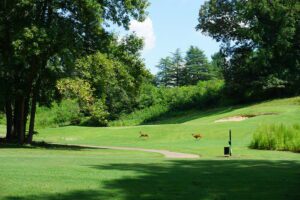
218,62
165,70
35,35
177,70
261,42
197,66
171,70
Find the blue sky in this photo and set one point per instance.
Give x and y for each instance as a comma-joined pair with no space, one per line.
171,25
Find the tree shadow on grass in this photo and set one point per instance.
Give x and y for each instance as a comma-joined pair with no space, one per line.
223,179
44,145
197,179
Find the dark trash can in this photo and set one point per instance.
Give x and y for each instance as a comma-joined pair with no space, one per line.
226,151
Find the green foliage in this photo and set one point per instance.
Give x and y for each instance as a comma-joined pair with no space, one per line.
40,42
77,89
194,67
60,114
2,118
112,81
277,137
140,116
98,114
218,62
260,41
155,102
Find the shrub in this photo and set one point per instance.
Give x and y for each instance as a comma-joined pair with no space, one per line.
156,102
60,114
140,116
2,118
277,137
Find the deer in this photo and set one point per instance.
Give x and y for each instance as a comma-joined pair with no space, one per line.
197,136
143,135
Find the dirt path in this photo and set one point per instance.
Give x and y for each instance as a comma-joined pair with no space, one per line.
166,153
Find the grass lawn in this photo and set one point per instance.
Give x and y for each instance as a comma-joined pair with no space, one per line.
176,133
54,173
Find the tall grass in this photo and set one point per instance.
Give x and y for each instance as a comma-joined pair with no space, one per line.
277,137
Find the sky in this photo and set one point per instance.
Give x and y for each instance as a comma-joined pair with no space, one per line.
171,25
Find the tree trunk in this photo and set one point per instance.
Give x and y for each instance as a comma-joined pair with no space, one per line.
15,121
32,118
26,112
9,121
19,119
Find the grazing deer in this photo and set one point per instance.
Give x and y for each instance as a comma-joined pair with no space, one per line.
143,135
197,136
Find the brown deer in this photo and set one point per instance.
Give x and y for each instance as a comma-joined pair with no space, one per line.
143,135
197,136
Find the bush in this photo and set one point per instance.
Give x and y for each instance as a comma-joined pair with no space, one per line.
156,102
2,118
140,116
277,137
60,114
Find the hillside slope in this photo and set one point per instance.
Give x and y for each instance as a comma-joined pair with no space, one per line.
175,133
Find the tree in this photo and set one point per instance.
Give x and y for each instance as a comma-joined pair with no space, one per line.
178,71
171,70
41,37
197,66
165,69
217,63
178,68
260,40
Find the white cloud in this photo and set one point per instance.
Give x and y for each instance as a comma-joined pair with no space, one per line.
144,30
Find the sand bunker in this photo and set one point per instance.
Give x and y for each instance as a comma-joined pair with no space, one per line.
232,119
241,117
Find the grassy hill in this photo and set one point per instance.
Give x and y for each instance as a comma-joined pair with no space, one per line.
54,173
175,133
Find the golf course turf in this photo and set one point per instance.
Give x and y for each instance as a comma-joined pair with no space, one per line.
55,172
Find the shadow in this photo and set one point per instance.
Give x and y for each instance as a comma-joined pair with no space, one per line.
179,117
197,179
223,179
44,145
73,195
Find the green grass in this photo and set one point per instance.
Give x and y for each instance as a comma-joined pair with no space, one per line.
53,173
277,137
175,133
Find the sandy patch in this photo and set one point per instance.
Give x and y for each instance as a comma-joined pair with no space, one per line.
241,117
232,119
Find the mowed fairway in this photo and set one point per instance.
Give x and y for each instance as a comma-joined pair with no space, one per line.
176,133
62,172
